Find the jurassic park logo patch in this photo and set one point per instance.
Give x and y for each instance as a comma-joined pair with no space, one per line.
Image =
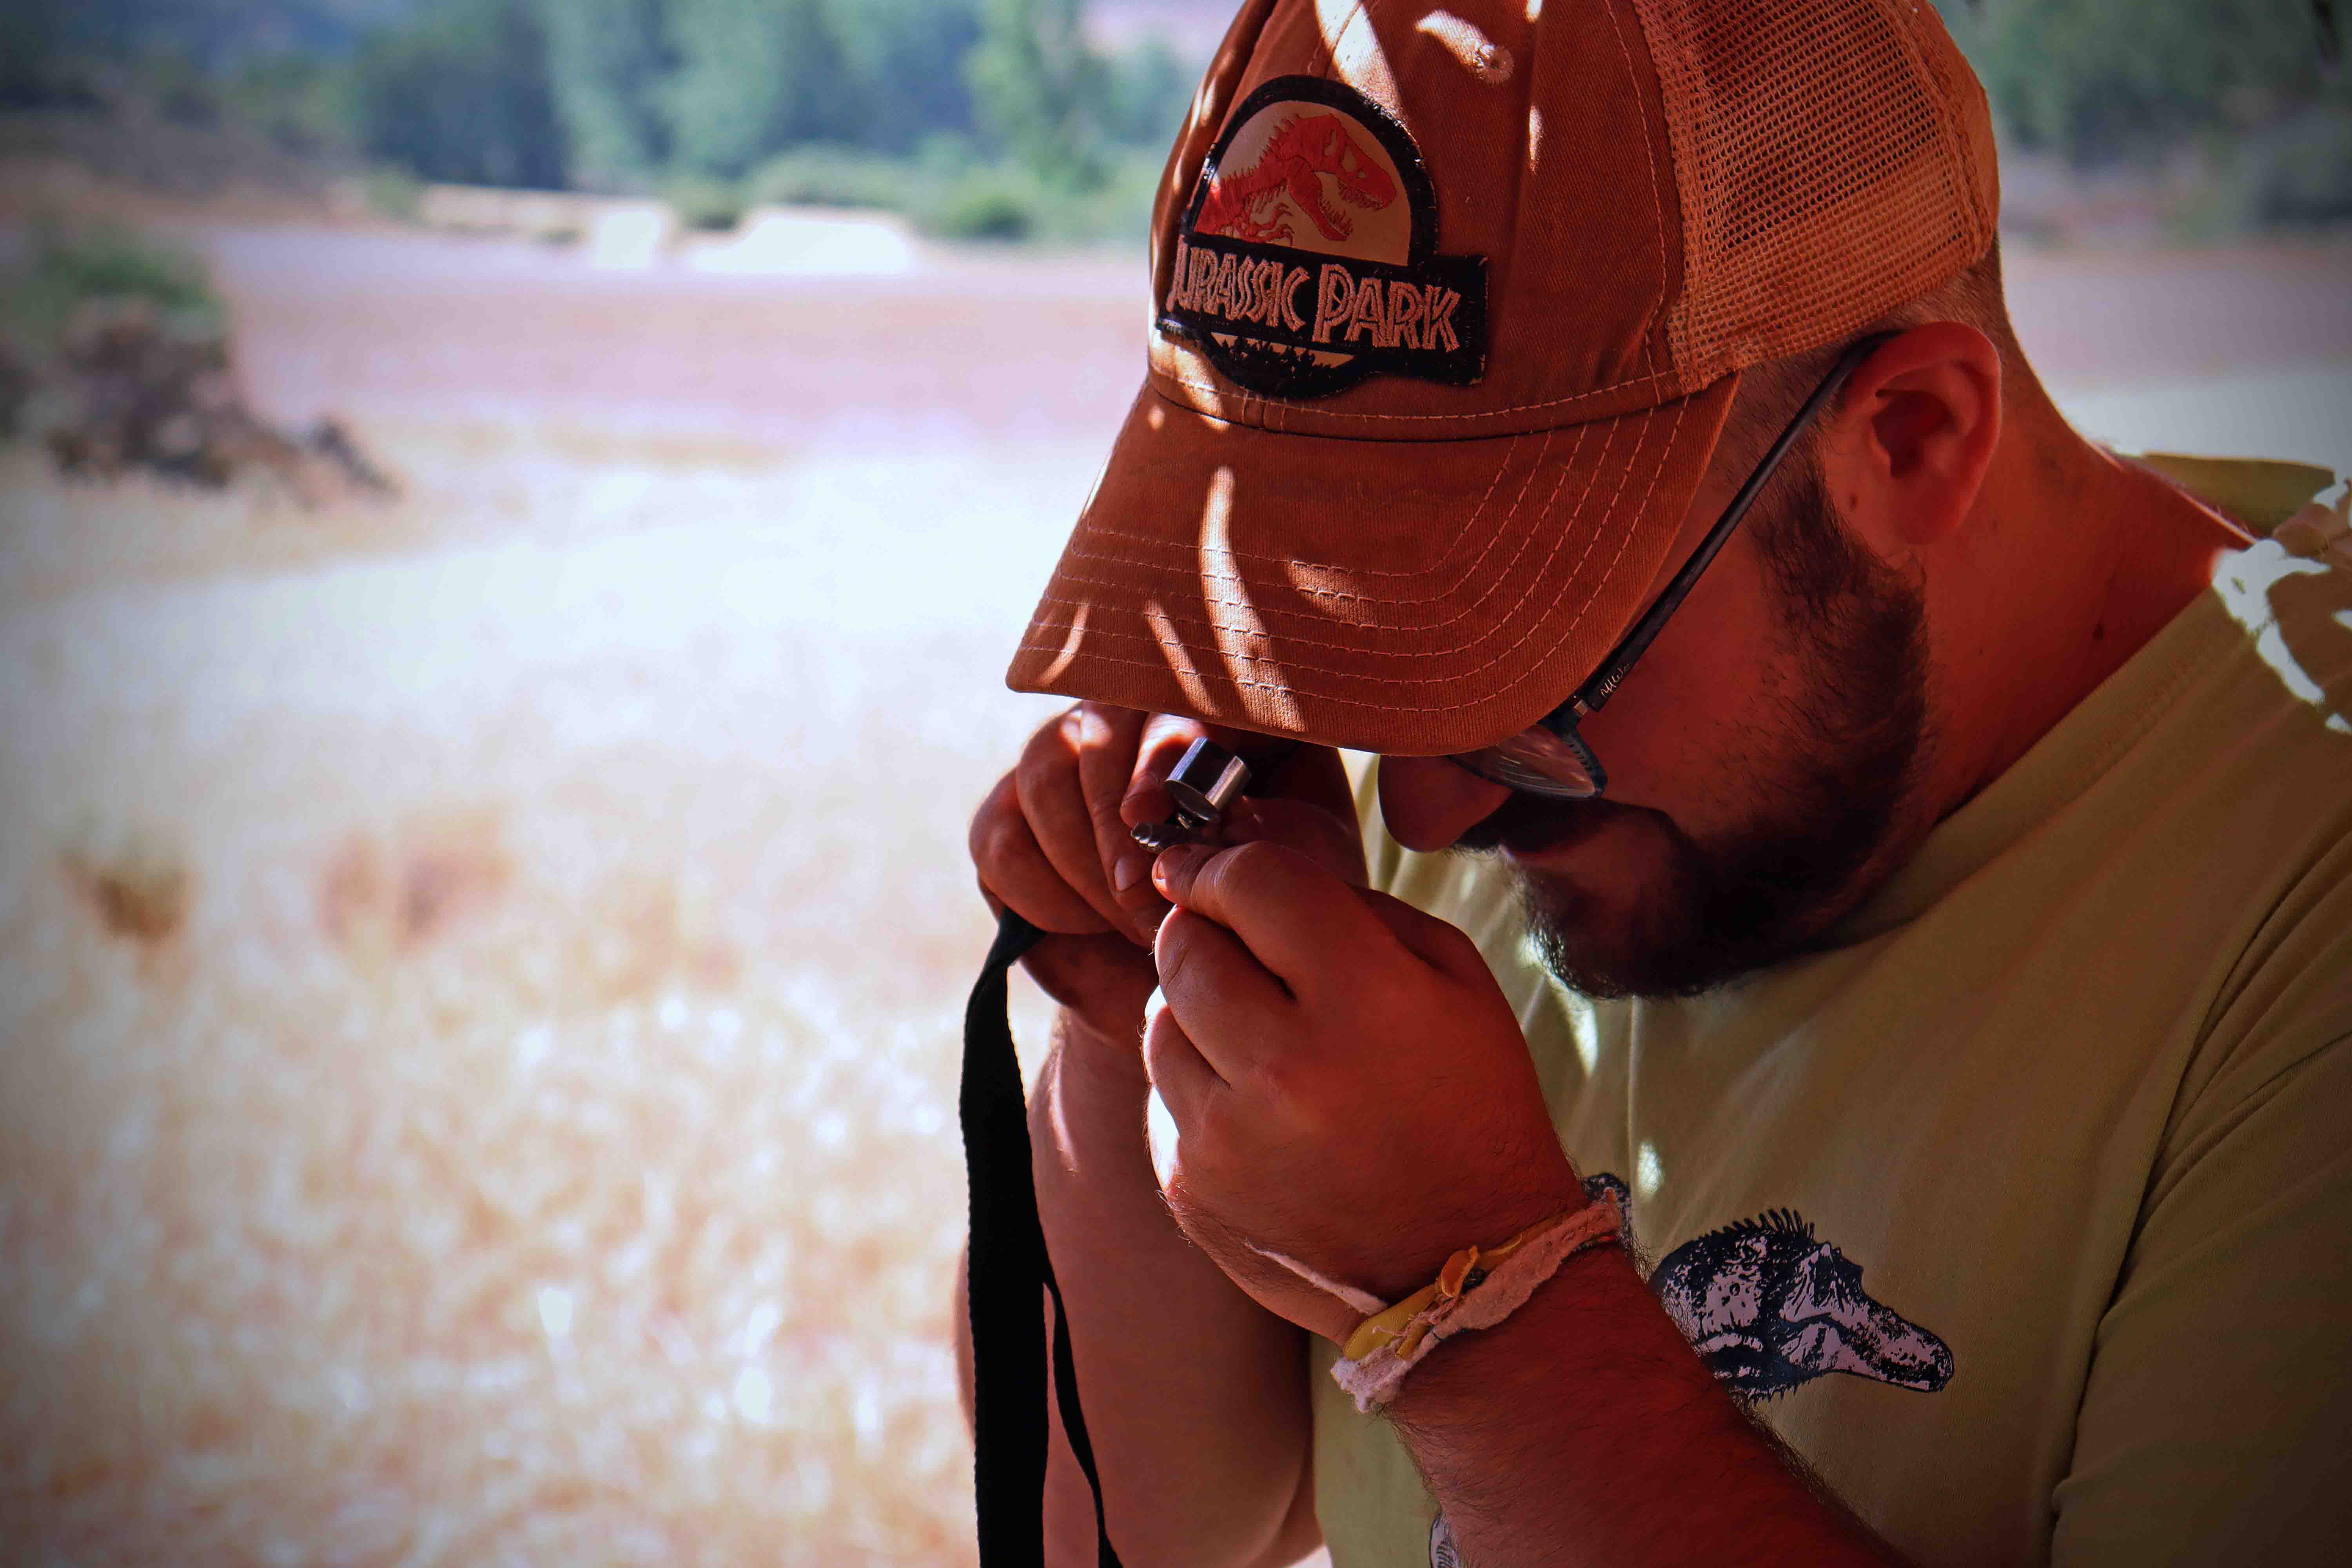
1308,259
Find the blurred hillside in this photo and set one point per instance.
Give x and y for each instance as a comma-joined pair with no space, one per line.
984,118
1024,119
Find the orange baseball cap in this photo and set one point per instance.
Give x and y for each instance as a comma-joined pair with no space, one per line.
1449,306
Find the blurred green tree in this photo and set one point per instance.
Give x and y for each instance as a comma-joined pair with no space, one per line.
609,60
909,100
34,70
906,58
755,76
300,102
718,87
1149,92
210,34
466,95
2095,79
1039,88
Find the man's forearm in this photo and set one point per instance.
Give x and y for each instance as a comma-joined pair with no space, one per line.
1582,1429
1195,1396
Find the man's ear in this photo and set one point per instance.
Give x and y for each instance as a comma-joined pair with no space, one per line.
1914,436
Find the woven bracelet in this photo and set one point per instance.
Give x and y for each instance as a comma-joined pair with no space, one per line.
1475,1289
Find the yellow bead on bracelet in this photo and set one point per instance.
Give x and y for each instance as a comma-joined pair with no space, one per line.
1463,1273
1387,1345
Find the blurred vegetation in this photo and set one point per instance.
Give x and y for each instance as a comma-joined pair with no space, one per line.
463,94
2243,93
63,276
2101,79
67,271
1003,118
994,118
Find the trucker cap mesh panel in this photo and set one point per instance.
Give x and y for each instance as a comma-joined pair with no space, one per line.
1822,167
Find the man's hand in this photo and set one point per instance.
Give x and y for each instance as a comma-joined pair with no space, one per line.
1350,1089
1196,1399
1051,841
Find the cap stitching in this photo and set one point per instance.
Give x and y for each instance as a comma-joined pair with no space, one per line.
1498,578
1596,392
1657,207
1626,536
1501,468
1286,663
1102,531
1064,574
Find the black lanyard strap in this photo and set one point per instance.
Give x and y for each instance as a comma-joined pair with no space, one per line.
1007,1262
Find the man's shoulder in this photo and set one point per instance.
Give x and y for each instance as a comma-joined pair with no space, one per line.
2295,613
2272,722
2222,837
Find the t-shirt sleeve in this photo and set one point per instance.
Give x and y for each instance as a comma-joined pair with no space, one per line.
2216,1427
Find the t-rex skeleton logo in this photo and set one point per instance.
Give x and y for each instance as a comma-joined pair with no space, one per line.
1769,1308
1247,204
1307,260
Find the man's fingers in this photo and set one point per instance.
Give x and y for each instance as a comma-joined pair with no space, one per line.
1185,1078
1225,998
1047,779
1301,922
1332,842
1442,946
1109,742
1317,775
1014,868
1165,738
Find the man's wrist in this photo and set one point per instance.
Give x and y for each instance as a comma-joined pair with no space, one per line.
1459,1379
1479,1288
1087,1114
1585,1415
1536,1395
1106,1060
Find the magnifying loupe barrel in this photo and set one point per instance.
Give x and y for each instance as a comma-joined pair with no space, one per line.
1207,780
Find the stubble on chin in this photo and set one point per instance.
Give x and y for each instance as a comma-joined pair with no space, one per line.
1831,822
1606,953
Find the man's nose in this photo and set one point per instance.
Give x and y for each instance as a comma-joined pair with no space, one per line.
1428,802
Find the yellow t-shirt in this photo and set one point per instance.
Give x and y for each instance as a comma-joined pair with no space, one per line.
2023,1212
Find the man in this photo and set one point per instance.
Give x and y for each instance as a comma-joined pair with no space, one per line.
1937,926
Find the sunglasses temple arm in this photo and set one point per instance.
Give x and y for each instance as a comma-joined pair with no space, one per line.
1605,681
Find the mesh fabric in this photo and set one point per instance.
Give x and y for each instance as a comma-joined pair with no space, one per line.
1834,160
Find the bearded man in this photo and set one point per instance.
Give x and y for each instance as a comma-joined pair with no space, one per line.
1879,857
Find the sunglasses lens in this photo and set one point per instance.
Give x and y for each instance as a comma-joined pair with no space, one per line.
1538,761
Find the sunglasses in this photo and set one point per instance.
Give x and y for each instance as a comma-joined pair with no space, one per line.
1549,757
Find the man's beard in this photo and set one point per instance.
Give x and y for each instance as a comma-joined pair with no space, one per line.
1844,743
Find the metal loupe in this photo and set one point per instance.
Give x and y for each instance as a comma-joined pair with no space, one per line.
1207,780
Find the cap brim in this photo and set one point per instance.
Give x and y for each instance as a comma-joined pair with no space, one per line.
1411,597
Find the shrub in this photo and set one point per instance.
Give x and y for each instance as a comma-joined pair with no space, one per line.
704,203
836,176
1012,202
985,205
301,105
2304,170
69,270
392,192
465,96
